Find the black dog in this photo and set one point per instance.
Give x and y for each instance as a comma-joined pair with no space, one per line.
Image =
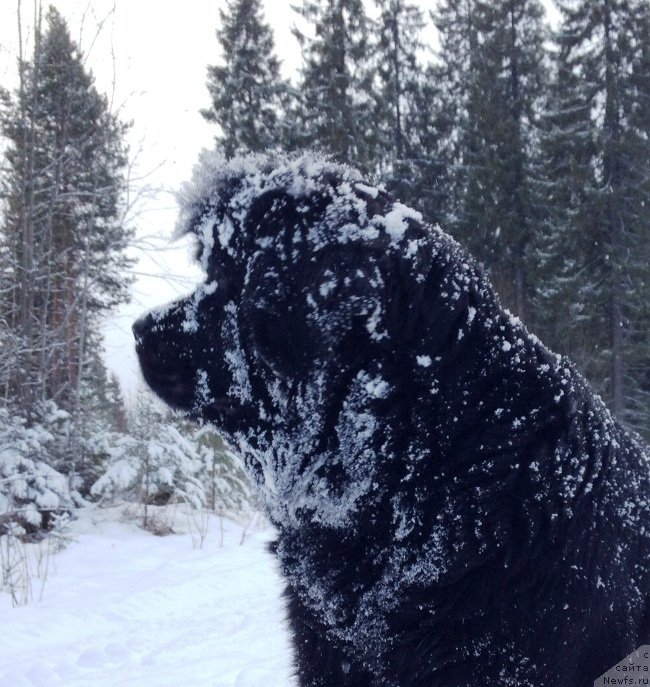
455,507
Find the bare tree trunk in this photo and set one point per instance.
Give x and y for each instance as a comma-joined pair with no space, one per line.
26,253
618,367
399,133
81,325
612,184
48,317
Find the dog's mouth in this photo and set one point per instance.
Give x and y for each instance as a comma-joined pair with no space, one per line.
172,374
174,385
177,387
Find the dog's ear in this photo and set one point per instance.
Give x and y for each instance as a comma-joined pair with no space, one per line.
275,315
271,306
308,307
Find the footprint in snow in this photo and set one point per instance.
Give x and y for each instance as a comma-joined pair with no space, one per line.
92,658
13,679
97,657
42,675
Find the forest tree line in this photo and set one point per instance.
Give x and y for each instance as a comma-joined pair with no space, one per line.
530,145
66,437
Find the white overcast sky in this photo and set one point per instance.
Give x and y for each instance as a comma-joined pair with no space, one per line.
151,56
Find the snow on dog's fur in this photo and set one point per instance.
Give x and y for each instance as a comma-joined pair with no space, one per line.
455,507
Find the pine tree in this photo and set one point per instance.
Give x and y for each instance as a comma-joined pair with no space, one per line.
402,145
493,55
335,113
455,74
247,91
63,234
598,153
429,182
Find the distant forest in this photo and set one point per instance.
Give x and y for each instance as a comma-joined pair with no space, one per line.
531,146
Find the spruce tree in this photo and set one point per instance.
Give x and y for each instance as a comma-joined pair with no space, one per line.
335,112
454,73
429,182
492,54
247,92
401,146
598,168
62,230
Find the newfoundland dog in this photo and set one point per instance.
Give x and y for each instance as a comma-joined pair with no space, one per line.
454,505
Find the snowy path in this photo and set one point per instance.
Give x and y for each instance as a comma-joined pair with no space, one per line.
127,609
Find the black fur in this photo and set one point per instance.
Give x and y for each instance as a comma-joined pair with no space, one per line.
455,507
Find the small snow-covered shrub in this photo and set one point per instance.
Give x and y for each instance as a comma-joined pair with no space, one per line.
162,461
35,498
122,476
227,487
154,470
30,489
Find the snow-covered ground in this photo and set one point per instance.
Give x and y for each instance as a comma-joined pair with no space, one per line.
124,608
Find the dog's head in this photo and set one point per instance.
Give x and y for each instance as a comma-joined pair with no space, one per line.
321,293
298,262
